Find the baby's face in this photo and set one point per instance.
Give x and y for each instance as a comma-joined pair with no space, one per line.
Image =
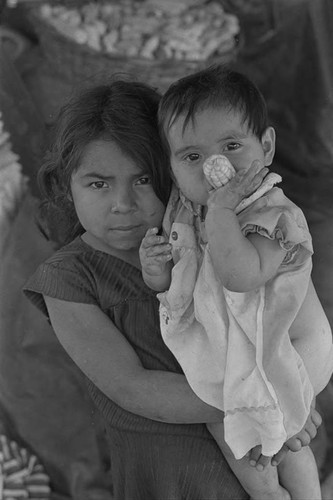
215,131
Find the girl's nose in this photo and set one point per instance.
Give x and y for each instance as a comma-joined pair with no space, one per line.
122,201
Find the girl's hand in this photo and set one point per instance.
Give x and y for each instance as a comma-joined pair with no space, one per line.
242,185
155,253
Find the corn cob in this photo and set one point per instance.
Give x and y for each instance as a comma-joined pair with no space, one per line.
218,170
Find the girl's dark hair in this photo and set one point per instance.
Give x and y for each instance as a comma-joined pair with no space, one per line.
122,111
214,87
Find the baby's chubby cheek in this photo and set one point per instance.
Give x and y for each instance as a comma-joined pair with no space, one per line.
198,194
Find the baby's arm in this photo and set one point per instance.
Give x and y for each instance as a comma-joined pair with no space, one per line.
155,257
104,355
242,263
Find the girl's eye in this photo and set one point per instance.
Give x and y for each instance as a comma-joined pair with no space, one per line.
192,157
99,185
144,181
232,146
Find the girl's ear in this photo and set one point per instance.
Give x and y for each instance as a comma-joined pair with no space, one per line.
268,144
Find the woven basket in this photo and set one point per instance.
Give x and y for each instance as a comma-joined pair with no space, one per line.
75,62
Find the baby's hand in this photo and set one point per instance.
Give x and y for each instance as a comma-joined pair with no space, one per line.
154,253
242,185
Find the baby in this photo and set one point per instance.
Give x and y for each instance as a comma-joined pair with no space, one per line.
238,308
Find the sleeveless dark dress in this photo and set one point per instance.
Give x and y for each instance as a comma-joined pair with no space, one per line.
150,460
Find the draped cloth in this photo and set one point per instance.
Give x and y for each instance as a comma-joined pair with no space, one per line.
235,348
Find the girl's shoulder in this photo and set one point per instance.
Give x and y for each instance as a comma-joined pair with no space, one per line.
79,273
81,258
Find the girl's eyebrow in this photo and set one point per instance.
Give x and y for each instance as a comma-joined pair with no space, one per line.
102,177
98,175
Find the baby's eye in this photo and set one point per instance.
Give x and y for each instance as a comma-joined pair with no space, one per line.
232,146
144,180
99,185
192,157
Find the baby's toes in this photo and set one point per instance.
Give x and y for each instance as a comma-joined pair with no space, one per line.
262,462
294,443
254,455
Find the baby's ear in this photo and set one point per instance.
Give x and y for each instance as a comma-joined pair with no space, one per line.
268,144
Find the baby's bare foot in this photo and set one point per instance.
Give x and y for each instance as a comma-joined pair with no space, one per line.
303,438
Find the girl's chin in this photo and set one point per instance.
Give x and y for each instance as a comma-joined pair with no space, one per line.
111,244
125,243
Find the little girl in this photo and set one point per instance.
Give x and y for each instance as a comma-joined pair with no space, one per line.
240,312
106,180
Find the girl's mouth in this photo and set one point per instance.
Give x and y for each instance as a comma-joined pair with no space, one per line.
124,228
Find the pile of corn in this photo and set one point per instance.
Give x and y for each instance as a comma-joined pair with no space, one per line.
13,183
152,29
21,474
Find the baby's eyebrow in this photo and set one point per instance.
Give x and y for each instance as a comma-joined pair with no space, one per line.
232,135
183,150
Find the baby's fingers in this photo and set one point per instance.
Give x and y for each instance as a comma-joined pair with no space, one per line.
151,238
257,172
160,252
247,181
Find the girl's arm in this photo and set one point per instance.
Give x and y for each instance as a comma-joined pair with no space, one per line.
108,360
243,263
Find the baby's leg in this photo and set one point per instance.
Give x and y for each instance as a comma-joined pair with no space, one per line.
311,336
298,473
260,485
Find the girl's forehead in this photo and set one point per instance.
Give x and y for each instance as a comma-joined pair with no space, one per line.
107,158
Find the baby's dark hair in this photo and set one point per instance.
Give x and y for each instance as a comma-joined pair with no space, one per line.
214,87
121,111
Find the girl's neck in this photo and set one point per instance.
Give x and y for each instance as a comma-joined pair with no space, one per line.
129,256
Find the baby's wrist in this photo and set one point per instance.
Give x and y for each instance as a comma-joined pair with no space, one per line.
152,274
225,202
217,205
158,281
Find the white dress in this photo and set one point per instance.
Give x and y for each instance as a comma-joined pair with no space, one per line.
235,348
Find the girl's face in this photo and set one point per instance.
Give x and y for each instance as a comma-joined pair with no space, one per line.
215,131
114,200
